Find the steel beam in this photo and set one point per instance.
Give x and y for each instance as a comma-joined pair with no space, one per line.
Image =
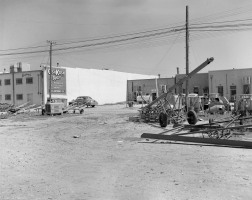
234,143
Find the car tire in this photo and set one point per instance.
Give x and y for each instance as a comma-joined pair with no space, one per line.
192,117
163,119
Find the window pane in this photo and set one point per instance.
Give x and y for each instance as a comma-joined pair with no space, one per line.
19,97
7,82
19,81
29,80
7,97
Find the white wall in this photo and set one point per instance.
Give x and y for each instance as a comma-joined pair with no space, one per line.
104,86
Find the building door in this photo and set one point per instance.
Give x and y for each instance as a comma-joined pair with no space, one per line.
30,98
232,93
154,96
246,89
220,90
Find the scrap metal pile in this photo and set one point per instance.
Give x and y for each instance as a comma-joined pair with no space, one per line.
215,132
9,109
171,108
165,109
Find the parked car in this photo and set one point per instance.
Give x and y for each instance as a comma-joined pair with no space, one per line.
86,100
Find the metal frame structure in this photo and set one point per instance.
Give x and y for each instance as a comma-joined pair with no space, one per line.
161,109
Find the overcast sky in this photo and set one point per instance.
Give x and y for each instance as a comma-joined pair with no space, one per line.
30,23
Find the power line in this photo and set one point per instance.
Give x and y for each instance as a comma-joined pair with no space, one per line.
98,43
136,37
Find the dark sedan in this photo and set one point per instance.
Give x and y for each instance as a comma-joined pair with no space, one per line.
86,100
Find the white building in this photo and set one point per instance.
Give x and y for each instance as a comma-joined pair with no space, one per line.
105,86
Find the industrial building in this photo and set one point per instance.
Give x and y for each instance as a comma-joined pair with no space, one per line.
155,87
198,84
230,83
19,86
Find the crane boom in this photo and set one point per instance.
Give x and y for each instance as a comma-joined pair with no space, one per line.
180,82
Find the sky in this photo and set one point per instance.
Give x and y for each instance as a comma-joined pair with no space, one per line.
101,34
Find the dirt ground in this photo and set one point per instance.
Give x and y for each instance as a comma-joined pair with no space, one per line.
100,155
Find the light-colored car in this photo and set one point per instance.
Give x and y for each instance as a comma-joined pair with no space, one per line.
86,100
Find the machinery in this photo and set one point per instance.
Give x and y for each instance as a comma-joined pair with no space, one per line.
54,108
165,110
218,104
244,104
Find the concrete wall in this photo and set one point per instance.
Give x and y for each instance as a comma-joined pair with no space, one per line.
105,86
228,78
31,92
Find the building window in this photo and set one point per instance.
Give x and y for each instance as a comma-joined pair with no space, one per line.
19,96
205,90
19,81
7,97
220,90
139,89
246,89
29,80
6,81
196,90
164,88
0,97
0,82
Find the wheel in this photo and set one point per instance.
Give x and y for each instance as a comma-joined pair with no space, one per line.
93,105
192,117
163,119
81,111
43,111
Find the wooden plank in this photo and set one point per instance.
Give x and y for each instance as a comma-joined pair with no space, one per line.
236,143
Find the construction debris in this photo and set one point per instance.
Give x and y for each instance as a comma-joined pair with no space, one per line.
169,108
8,109
213,132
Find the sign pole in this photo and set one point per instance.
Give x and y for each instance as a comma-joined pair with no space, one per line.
50,54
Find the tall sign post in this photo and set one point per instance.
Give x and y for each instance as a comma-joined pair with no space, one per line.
50,54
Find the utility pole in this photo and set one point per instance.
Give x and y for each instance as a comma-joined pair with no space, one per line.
50,54
187,56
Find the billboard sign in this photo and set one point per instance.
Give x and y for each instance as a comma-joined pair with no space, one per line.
58,80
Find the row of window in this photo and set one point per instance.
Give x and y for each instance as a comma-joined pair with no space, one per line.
7,97
19,81
246,90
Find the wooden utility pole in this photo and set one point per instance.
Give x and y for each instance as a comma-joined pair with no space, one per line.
187,56
50,54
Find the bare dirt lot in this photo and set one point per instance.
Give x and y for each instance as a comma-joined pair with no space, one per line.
100,155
